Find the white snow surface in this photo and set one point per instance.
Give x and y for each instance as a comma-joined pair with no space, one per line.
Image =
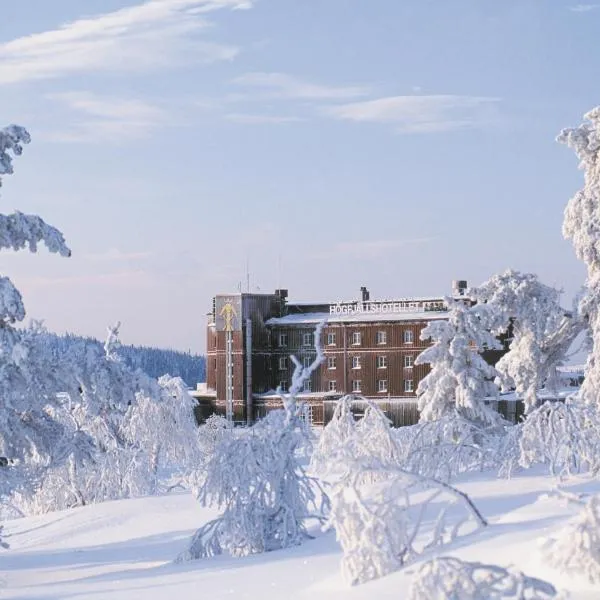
124,550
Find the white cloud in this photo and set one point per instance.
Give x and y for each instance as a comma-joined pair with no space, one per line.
106,118
250,119
114,254
281,85
584,7
153,34
420,113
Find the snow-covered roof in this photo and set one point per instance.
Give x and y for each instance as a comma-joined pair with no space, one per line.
367,317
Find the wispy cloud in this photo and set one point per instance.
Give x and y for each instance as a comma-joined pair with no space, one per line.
150,35
369,249
251,119
114,254
106,118
420,113
580,8
122,279
282,85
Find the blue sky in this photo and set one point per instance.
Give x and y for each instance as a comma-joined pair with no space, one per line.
329,144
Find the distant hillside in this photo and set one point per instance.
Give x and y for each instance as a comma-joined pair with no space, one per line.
153,361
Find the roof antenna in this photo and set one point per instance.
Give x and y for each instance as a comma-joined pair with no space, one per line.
247,275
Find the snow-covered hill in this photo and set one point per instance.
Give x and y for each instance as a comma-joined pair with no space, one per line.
124,550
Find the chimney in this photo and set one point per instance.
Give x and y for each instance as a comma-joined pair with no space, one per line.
365,294
459,287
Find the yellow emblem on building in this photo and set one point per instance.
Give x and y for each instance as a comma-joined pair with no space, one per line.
228,313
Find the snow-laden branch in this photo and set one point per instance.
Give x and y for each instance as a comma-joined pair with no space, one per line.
384,516
12,139
19,231
11,302
576,547
302,374
563,435
448,578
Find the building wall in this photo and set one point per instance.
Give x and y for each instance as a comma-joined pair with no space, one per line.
344,351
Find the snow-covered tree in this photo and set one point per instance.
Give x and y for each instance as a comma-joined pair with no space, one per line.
27,375
120,431
541,331
378,507
581,225
448,578
565,436
575,549
256,479
370,436
460,379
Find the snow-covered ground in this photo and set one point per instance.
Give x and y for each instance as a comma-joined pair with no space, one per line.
124,550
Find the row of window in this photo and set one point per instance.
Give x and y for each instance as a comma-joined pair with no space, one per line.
382,362
308,338
382,386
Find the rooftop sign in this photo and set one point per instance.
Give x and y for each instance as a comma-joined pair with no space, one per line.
354,308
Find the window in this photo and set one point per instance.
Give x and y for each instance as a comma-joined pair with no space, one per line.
382,385
408,385
382,337
332,386
356,362
382,362
409,336
307,386
306,362
356,385
215,364
283,363
307,339
356,338
409,360
331,339
283,340
215,342
331,362
283,385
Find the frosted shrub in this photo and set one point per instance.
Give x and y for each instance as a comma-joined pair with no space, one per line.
448,446
371,436
564,436
263,492
256,479
384,517
383,514
448,578
576,548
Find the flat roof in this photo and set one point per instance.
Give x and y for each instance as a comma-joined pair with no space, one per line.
366,317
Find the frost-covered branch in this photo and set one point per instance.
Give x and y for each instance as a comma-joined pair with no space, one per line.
384,516
12,139
448,578
19,231
576,548
302,374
